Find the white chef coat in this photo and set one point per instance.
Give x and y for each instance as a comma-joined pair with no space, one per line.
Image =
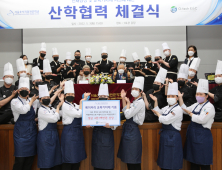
206,117
19,107
69,112
137,111
47,115
174,118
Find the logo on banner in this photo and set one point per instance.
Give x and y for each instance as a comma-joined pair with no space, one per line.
173,9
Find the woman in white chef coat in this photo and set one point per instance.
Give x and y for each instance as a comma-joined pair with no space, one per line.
48,146
72,140
198,148
170,147
130,149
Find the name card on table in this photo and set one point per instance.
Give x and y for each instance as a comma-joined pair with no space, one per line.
83,82
100,112
121,81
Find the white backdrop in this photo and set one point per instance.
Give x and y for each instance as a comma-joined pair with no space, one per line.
116,39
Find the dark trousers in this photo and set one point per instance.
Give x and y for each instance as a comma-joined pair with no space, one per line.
23,163
101,169
67,166
198,167
57,167
6,117
134,166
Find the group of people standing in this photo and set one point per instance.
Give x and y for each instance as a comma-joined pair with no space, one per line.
160,95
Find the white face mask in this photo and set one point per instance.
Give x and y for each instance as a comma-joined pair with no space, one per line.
25,61
22,74
191,73
135,93
68,61
167,53
218,80
120,71
8,80
122,59
88,58
190,53
171,101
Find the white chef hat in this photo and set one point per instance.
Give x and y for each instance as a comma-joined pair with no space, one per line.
43,46
203,86
157,52
103,90
20,65
161,76
68,56
55,51
195,63
183,72
138,82
146,51
219,67
46,66
24,82
135,56
43,91
123,53
165,46
104,49
88,52
172,89
36,73
69,87
8,69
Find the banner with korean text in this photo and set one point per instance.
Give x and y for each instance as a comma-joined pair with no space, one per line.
19,14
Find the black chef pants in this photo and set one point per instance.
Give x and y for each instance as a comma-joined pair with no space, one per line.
134,166
67,166
199,167
23,163
57,167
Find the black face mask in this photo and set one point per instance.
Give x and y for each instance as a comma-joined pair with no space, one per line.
148,59
102,98
48,77
70,98
156,87
104,56
156,59
46,101
77,57
86,72
24,93
56,58
42,55
136,63
181,82
38,83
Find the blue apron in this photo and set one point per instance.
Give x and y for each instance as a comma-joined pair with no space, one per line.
25,134
170,154
72,142
199,143
130,149
103,148
48,147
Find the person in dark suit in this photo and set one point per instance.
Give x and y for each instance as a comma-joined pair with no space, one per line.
120,74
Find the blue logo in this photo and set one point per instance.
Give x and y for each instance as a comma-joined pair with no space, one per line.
11,13
173,9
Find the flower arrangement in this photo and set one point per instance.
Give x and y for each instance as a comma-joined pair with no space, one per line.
101,79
